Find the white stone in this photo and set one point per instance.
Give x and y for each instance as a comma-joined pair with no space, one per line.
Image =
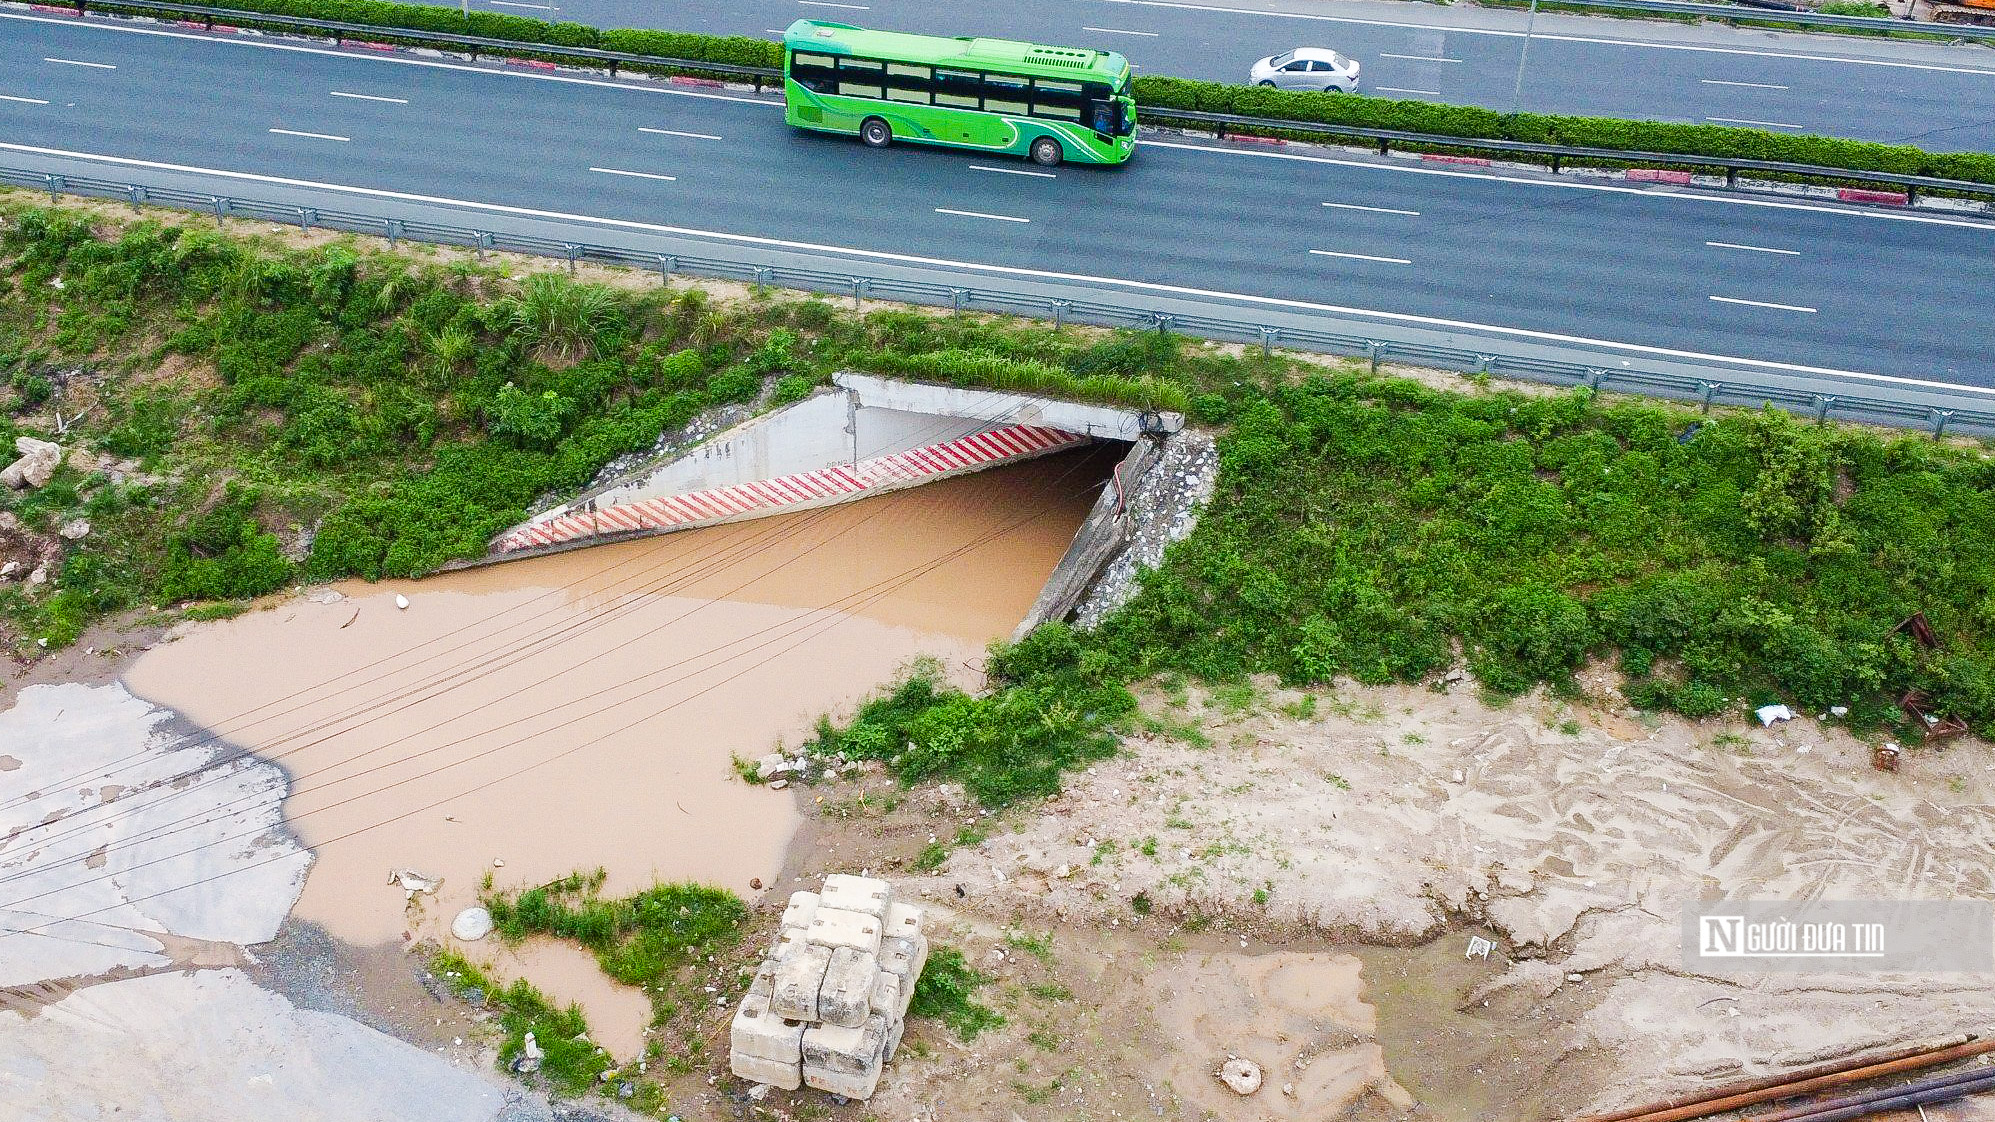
401,601
846,998
848,1051
1243,1076
76,529
834,927
472,924
758,1032
904,957
891,995
788,1077
798,913
838,1083
868,895
799,976
37,464
903,921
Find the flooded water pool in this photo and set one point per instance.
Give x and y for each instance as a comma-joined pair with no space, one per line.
584,709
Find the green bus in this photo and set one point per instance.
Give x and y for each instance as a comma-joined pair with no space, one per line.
1047,104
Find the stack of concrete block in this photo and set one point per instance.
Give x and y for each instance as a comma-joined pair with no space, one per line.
829,1004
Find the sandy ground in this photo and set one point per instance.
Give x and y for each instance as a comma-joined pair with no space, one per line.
1290,854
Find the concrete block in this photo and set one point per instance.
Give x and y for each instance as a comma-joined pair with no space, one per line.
846,998
802,906
859,1087
847,1051
895,1030
869,895
798,978
904,957
760,1033
764,985
788,1077
788,939
891,994
836,927
902,921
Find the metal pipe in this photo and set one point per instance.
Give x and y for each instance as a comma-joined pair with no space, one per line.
1906,1098
1875,1098
1745,1086
1791,1088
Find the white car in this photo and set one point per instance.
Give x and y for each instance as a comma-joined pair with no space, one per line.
1307,68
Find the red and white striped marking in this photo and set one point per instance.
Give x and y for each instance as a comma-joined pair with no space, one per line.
772,496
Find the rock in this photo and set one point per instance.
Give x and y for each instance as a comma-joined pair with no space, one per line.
530,1056
401,601
39,576
778,784
758,1092
76,529
37,464
1243,1076
771,766
472,924
9,569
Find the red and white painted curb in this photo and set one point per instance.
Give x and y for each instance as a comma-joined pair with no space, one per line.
803,489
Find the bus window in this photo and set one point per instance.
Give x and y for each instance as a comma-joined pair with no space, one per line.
1051,98
908,83
816,73
962,89
1006,94
861,77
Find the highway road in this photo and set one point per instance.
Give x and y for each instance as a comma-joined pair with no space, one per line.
1763,280
1934,95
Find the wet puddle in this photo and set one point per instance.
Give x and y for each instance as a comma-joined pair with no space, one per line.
581,710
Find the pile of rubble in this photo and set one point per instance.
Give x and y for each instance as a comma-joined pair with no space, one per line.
828,1006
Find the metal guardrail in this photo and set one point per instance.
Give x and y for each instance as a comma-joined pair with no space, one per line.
1556,153
1379,344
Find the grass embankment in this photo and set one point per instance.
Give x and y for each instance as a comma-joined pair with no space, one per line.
335,412
330,412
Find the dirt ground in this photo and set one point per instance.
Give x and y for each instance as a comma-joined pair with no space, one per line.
1294,881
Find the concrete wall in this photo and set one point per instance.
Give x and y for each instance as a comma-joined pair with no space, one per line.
1100,421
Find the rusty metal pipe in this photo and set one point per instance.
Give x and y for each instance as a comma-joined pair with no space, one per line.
1810,1110
1818,1083
1747,1086
1898,1098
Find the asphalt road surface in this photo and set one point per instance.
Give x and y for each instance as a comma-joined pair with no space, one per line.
1934,95
1878,291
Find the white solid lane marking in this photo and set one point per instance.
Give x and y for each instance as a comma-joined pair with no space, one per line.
1742,85
1594,39
1756,124
1361,257
1119,31
1396,89
1418,58
516,4
371,97
1014,171
637,174
1373,209
1763,304
998,270
1876,213
828,4
312,135
74,62
23,100
980,214
675,132
1754,248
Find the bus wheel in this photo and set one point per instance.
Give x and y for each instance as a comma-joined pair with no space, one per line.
1046,152
875,133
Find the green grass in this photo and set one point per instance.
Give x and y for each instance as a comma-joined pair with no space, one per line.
946,992
643,939
570,1063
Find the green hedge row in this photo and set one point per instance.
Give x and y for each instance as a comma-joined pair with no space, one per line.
1473,122
1464,121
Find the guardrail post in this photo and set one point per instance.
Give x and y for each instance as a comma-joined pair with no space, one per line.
858,291
664,269
137,196
221,207
1060,313
480,243
1940,419
1911,194
1374,348
306,216
764,275
1708,390
1482,362
956,296
1731,177
394,228
1823,403
1268,337
1163,322
1384,146
573,251
1594,376
54,185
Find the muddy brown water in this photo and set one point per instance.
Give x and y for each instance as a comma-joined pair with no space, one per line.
581,710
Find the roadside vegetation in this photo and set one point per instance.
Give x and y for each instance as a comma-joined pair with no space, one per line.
285,414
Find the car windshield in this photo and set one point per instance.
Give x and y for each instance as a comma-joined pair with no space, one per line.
1282,59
